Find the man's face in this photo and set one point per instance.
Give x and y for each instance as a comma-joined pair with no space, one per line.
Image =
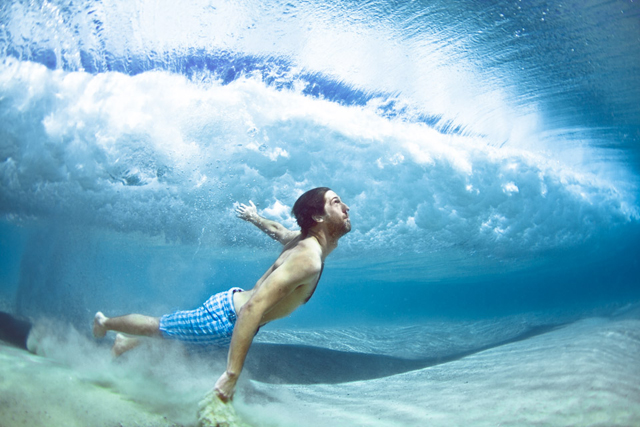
336,214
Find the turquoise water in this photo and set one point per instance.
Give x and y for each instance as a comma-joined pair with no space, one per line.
488,152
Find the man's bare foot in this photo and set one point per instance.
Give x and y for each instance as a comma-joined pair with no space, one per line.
123,344
99,329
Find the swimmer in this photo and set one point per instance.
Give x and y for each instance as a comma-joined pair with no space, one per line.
233,317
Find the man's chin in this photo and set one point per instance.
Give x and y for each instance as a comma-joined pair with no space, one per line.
341,230
347,228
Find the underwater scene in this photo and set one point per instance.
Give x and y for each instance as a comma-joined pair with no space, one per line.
488,153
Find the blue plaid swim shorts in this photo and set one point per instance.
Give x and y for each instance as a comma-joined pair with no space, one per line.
211,323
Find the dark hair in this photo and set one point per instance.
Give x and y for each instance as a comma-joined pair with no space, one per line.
309,204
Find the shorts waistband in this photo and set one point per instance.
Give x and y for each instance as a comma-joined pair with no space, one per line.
232,308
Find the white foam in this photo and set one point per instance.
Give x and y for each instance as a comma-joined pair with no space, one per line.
157,153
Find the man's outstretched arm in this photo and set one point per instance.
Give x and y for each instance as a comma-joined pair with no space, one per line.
284,280
273,229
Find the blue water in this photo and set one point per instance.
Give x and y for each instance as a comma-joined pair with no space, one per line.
488,151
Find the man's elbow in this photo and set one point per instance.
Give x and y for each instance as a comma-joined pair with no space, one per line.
251,311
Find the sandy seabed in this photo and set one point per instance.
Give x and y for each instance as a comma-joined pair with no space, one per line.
586,373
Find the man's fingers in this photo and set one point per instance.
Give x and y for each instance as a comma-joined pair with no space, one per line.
222,396
242,206
243,210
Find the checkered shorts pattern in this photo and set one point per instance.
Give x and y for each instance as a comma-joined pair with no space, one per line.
211,323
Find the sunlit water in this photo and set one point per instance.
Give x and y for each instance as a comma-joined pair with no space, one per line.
488,152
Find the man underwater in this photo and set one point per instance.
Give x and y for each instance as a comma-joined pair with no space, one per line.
233,317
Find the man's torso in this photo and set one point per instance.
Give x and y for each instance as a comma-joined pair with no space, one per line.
308,248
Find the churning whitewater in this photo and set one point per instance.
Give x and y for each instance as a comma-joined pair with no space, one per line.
488,152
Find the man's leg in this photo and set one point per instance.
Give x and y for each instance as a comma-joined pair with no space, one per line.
124,343
132,324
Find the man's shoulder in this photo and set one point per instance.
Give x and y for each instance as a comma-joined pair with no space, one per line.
307,252
289,237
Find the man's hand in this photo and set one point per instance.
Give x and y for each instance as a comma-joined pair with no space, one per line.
226,386
273,229
248,213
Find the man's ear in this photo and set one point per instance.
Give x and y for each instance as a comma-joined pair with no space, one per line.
318,218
